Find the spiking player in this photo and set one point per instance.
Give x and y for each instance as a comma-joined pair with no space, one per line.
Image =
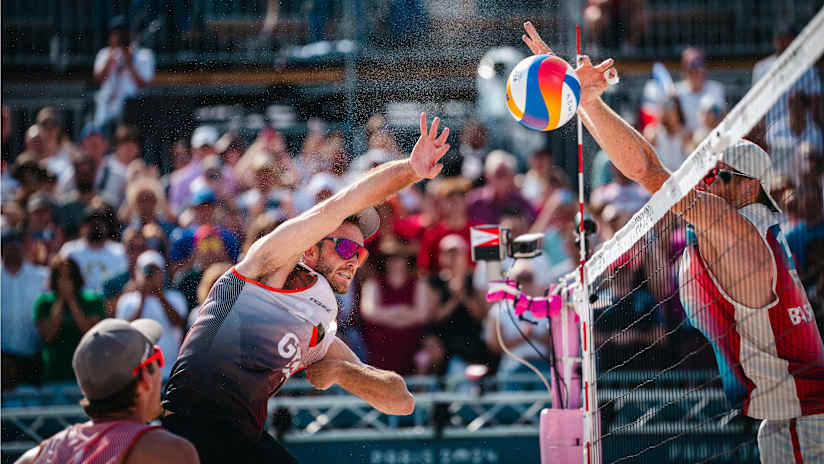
739,285
274,313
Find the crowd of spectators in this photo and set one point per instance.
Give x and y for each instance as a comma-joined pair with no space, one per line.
90,231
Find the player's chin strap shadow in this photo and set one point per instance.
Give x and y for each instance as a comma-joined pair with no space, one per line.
539,307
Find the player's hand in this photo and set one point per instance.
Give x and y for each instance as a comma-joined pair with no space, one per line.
323,374
593,78
429,149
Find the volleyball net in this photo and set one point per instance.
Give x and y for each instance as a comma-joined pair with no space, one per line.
693,331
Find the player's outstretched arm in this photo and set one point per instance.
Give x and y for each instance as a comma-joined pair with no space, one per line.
281,246
385,390
627,149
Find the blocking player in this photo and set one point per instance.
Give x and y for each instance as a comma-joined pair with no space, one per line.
740,287
274,313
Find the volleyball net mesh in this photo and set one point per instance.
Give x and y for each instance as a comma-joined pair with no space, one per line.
687,350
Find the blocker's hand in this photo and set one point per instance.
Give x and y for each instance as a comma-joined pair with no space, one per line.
429,149
324,373
593,78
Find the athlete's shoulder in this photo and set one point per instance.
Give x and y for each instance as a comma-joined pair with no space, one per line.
161,446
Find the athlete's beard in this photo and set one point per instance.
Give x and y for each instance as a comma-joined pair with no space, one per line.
323,268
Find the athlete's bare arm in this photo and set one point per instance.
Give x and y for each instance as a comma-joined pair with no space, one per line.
158,446
720,229
29,456
385,390
281,247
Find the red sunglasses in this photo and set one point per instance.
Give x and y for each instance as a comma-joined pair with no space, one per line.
156,355
346,249
724,174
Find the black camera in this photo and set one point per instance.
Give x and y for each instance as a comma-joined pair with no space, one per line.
494,243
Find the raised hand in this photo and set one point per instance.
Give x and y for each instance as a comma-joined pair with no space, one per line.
429,149
593,78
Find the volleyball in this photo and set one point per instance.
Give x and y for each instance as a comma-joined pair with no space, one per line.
542,92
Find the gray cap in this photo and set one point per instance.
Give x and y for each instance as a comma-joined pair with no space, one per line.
750,159
368,221
108,353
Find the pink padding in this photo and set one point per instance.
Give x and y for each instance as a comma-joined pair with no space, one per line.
561,436
540,307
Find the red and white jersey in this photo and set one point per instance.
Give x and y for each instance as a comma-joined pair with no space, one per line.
771,359
90,443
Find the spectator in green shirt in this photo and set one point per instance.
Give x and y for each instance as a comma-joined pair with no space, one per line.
63,315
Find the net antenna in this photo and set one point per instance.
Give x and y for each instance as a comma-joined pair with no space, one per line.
673,402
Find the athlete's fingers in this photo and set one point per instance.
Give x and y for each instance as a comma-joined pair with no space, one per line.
423,124
536,39
433,131
529,44
442,138
584,60
436,170
606,64
441,151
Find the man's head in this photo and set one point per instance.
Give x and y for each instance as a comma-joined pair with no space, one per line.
12,247
798,103
33,141
499,170
118,368
784,36
85,171
695,71
94,141
541,162
742,176
150,267
450,192
40,209
204,203
452,251
204,140
95,227
50,125
339,255
127,143
118,32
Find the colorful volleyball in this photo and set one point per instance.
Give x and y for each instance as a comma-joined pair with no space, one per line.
543,92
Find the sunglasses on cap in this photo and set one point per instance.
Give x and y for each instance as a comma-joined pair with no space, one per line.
346,249
724,174
156,355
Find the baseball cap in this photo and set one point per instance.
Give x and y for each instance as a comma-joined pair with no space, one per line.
368,221
39,201
452,242
150,258
96,212
204,135
203,196
108,353
322,181
750,159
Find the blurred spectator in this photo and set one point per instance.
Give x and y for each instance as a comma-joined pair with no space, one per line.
487,202
97,257
622,192
204,205
535,184
809,229
203,143
77,199
208,247
30,176
33,141
809,83
261,226
792,137
556,221
669,137
450,195
21,283
146,204
112,180
6,131
56,155
151,299
473,148
135,244
458,309
122,69
210,276
694,86
711,113
63,314
395,310
94,145
179,157
43,236
266,194
527,339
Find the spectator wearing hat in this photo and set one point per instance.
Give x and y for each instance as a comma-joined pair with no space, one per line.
94,145
31,177
122,69
152,299
208,246
56,156
118,367
97,257
217,177
135,243
694,86
74,202
43,236
203,209
267,193
204,139
395,306
63,314
450,194
146,204
487,202
21,282
114,174
792,137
